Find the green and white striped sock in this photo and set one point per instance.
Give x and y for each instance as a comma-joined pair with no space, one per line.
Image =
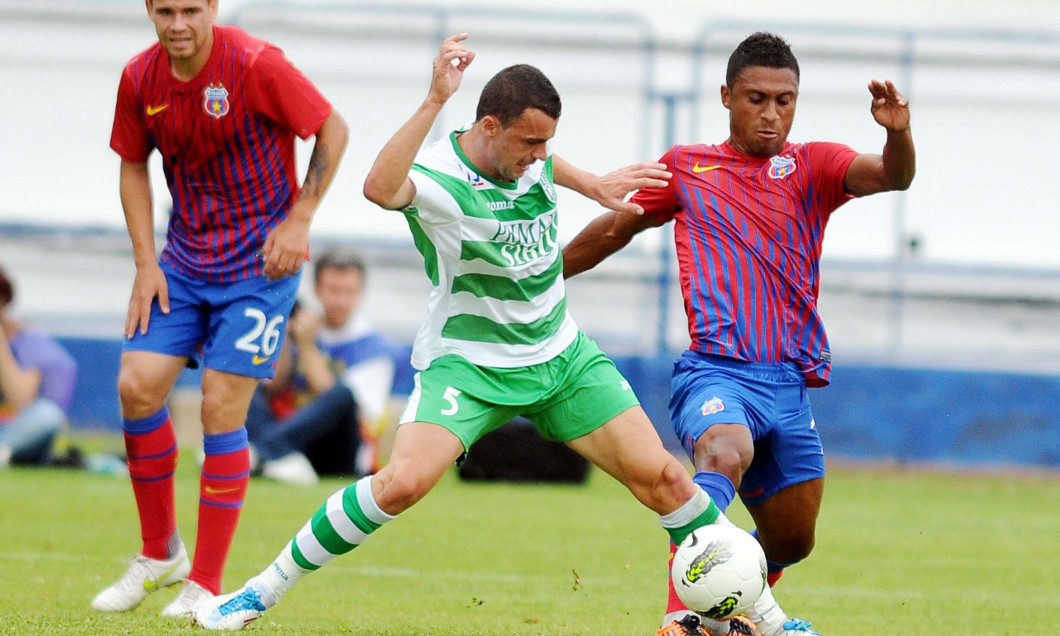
698,511
344,522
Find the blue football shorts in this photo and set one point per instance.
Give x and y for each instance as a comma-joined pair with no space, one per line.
233,327
769,399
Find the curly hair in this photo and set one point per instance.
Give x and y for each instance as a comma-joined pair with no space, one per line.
761,49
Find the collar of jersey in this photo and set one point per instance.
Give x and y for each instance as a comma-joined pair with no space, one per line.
504,185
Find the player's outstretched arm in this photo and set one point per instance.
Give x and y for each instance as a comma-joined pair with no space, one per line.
388,184
605,235
611,189
150,282
895,168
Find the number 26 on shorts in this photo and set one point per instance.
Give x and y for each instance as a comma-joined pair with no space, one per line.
268,331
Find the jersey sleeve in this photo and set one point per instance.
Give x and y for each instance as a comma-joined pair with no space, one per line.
432,203
129,137
828,166
660,203
281,93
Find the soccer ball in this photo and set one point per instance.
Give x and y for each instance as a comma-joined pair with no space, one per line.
719,571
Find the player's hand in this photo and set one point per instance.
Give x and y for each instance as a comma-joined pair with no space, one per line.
285,248
150,283
613,188
449,68
890,108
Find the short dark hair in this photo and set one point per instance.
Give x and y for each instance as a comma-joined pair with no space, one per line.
761,49
338,258
7,290
510,92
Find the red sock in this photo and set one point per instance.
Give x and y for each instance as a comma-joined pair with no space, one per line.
151,445
673,604
222,489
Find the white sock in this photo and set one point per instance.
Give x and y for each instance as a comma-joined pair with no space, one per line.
275,580
767,614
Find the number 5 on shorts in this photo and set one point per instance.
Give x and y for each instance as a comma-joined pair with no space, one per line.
450,396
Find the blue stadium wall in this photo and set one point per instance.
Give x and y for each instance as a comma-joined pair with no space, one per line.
869,412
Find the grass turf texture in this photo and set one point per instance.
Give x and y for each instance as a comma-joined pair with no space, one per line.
899,553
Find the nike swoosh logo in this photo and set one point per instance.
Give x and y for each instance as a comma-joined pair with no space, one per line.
154,110
698,168
210,490
151,586
259,360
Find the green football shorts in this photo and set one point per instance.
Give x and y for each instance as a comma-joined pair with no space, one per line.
571,395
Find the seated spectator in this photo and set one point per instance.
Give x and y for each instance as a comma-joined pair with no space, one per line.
322,413
37,378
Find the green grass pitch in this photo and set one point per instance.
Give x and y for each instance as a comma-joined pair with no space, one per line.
898,553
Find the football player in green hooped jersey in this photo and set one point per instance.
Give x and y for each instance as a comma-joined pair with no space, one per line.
498,341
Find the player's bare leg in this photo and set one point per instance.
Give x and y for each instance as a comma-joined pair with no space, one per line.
150,443
724,451
422,453
786,526
222,486
628,448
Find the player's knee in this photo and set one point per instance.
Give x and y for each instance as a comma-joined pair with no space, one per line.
725,460
128,386
401,489
219,415
138,397
725,449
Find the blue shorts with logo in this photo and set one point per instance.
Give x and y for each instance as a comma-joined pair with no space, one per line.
769,399
233,327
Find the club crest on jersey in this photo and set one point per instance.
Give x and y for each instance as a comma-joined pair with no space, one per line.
780,167
712,406
549,189
215,101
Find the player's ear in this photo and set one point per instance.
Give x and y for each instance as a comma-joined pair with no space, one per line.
726,96
491,125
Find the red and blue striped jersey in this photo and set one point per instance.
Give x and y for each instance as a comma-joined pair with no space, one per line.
748,233
226,139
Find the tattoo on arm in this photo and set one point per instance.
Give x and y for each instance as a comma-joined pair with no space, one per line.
318,167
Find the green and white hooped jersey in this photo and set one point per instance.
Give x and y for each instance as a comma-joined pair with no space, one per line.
491,251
